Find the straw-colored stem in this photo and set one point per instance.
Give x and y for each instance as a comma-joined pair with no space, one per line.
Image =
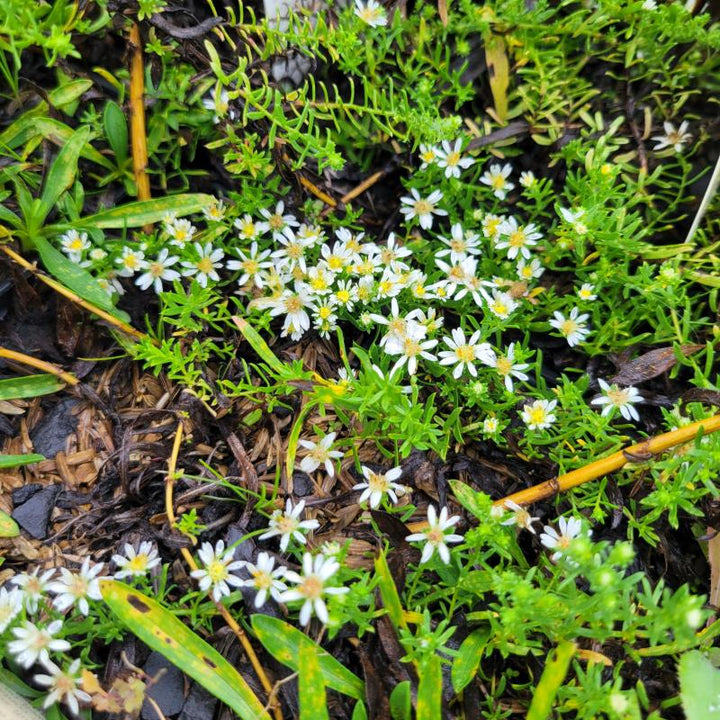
38,365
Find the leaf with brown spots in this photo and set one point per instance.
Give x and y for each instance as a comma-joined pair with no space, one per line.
650,365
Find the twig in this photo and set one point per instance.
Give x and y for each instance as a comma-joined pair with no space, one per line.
137,116
39,365
185,33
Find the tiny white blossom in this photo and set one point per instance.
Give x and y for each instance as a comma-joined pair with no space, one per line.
63,686
463,354
527,179
287,525
35,643
136,563
520,516
130,262
277,220
428,155
569,530
422,208
500,304
11,603
531,270
293,304
216,572
490,425
370,12
251,265
539,415
460,245
435,537
158,270
34,588
491,225
573,327
507,368
497,179
181,232
673,138
320,453
74,244
215,211
518,239
265,578
250,229
205,266
311,586
76,588
399,327
411,350
377,485
574,219
587,292
620,398
219,103
450,158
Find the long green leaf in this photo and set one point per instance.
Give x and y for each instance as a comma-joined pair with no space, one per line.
469,499
62,171
11,461
116,130
468,658
699,687
311,688
429,697
550,681
401,701
283,642
29,386
388,592
163,632
76,278
145,212
8,527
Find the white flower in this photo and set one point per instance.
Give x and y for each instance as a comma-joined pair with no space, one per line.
219,103
292,252
377,485
74,244
460,244
35,643
574,219
130,262
399,327
264,577
587,292
157,271
75,588
620,398
507,368
490,425
518,239
336,258
497,179
277,221
520,516
411,350
311,586
320,280
215,211
110,284
539,414
463,354
501,304
10,605
527,179
392,253
434,537
649,5
181,232
451,159
63,686
293,304
251,265
136,563
320,454
33,587
428,155
370,12
491,225
345,294
249,228
287,525
216,573
422,209
672,137
573,327
529,271
206,265
569,530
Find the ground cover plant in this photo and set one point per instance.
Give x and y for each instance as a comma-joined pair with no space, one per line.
359,362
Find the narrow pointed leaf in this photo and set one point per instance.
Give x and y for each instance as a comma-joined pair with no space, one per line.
29,386
429,697
468,658
313,701
550,681
388,592
163,632
11,461
145,212
499,73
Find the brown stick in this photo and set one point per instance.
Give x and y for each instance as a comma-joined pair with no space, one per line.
137,116
38,364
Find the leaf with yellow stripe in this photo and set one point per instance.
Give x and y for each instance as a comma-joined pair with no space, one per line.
552,678
145,212
429,696
163,632
311,687
388,592
499,73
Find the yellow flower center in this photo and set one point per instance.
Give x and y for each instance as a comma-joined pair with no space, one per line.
568,327
139,562
311,587
504,366
453,158
537,415
465,353
293,304
497,182
276,222
217,571
423,207
343,296
517,238
205,265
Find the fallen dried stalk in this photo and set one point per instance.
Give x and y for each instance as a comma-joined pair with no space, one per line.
137,115
39,365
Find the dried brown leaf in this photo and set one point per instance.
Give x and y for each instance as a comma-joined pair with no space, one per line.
650,365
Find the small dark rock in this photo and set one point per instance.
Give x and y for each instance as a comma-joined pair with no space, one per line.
33,515
167,692
50,434
302,484
24,493
200,704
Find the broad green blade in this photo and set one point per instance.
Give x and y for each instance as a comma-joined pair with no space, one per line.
258,344
8,527
552,678
311,687
429,697
11,461
283,642
699,687
29,386
468,658
388,592
163,632
401,701
146,212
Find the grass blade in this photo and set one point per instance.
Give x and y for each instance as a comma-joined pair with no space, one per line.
29,386
388,592
11,461
552,678
468,658
429,697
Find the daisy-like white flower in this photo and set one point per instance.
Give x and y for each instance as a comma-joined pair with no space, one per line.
529,270
265,578
287,525
345,294
497,179
293,304
518,239
428,155
649,5
491,225
539,414
250,229
399,327
74,244
392,254
110,284
311,586
528,179
573,327
130,262
413,349
336,258
181,232
587,292
620,398
507,368
422,208
370,12
158,270
450,158
320,453
500,304
570,529
11,603
491,425
216,575
251,265
673,138
435,537
136,563
76,588
520,516
215,211
463,354
574,219
460,245
35,643
219,103
63,686
291,254
377,485
205,267
278,220
34,588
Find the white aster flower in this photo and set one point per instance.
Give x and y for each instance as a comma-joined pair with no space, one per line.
463,354
370,12
673,138
250,229
251,265
573,327
587,292
215,211
392,254
10,605
345,294
428,155
399,327
205,267
411,350
422,208
497,179
649,5
507,368
620,398
293,304
63,686
435,537
288,525
336,258
491,225
278,220
219,103
130,262
158,270
518,239
35,643
74,244
377,485
34,588
520,516
569,529
539,414
216,572
529,270
265,578
574,219
491,425
136,563
450,158
181,232
292,252
311,586
528,179
76,588
320,453
460,245
500,304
